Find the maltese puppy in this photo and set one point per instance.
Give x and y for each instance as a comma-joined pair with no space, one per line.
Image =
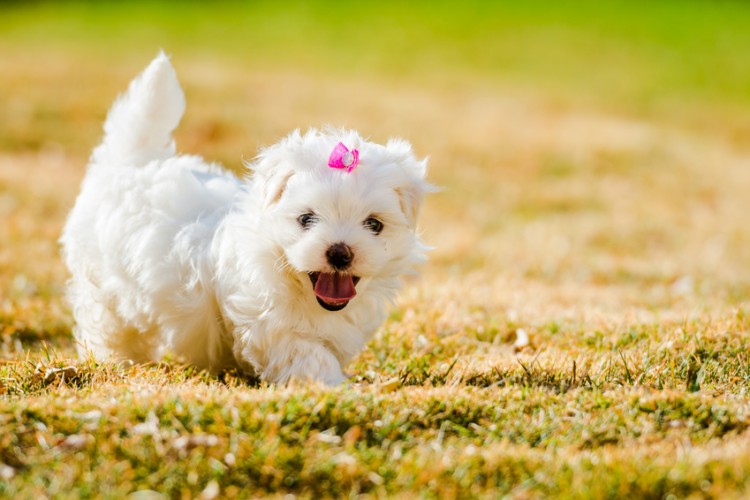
286,274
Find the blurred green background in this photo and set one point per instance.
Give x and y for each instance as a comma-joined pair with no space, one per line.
684,61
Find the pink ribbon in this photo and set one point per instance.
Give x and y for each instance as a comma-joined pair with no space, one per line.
342,158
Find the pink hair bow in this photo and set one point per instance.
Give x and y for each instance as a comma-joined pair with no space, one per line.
342,158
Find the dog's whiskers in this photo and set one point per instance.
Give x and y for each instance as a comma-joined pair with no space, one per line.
281,264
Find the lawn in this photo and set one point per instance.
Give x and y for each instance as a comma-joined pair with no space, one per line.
582,328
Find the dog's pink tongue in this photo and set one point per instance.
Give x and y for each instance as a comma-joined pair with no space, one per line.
335,287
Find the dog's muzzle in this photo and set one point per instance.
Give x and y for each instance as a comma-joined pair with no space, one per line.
335,290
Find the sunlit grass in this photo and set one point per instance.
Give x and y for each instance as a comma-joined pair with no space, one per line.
594,165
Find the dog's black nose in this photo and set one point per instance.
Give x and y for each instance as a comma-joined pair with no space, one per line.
340,256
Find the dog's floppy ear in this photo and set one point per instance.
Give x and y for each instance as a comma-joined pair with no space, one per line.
273,169
410,200
270,176
412,185
275,186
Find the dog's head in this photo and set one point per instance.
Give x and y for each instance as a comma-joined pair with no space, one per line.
338,229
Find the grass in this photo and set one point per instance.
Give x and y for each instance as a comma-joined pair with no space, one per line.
594,165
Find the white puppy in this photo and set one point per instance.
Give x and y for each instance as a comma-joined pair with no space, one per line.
286,274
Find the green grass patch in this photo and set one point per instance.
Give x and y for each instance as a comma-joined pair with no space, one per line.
642,55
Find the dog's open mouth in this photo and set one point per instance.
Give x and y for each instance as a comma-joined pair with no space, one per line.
333,290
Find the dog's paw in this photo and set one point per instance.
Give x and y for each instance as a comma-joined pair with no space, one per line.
303,360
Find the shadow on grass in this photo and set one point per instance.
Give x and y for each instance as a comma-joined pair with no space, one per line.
39,375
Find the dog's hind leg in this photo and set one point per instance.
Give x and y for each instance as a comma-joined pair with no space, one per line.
100,332
139,126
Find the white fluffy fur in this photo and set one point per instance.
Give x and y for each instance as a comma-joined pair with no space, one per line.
169,253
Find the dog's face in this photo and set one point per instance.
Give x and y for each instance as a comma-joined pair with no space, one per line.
337,229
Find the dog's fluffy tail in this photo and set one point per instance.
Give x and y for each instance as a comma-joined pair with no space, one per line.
139,126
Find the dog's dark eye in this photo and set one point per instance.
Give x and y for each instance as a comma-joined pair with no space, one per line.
373,225
307,220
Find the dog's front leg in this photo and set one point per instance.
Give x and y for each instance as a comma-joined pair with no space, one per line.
295,357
